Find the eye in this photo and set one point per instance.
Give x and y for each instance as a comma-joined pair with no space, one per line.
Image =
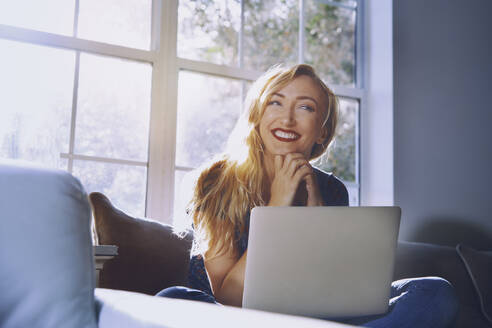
274,102
308,108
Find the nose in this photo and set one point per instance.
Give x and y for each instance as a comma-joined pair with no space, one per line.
288,116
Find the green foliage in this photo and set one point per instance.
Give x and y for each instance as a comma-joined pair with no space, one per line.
271,29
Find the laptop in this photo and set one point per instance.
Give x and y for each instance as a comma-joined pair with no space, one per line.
323,262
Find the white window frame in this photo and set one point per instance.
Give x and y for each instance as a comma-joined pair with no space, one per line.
93,47
166,66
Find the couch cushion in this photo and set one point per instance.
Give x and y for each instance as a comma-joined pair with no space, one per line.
150,257
125,309
46,261
420,260
479,267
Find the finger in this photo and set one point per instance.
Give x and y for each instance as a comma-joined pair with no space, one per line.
301,173
292,157
287,160
314,197
294,165
278,162
312,171
310,183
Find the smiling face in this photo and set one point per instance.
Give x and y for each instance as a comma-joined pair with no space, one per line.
293,118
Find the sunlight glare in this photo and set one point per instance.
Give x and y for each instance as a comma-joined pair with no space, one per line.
53,16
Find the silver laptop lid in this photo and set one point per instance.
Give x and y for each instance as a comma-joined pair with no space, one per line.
321,261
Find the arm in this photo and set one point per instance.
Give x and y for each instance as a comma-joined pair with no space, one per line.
227,277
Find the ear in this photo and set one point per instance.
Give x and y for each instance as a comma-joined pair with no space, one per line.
322,137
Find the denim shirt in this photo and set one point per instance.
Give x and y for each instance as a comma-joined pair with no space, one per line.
333,192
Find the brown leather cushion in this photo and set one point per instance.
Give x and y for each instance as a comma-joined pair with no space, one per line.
150,256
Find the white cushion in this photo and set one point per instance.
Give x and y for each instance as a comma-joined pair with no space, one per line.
46,262
133,310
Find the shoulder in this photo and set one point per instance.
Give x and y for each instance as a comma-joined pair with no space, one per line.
332,188
328,178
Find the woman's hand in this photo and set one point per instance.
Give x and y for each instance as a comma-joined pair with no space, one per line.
314,195
290,170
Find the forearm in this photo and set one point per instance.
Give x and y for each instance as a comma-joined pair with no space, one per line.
231,290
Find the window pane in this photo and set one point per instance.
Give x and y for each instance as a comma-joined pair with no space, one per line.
113,108
53,16
63,164
341,155
125,23
330,42
124,184
271,29
36,86
208,30
208,108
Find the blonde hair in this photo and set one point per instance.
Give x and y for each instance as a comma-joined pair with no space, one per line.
228,188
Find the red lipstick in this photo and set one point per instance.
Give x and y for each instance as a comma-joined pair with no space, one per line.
285,135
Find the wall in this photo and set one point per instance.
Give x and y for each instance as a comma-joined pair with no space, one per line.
442,120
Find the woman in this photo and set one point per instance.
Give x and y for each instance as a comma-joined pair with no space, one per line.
290,119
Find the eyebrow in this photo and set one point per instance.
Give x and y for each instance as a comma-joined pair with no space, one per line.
300,97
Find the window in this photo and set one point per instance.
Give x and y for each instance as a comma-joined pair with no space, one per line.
77,104
223,45
132,100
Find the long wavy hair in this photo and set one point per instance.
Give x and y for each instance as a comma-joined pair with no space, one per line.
228,187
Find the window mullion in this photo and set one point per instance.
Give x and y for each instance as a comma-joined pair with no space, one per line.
340,5
72,43
184,168
241,37
241,53
360,74
301,31
100,159
359,45
76,18
155,30
73,118
162,138
357,141
345,91
218,70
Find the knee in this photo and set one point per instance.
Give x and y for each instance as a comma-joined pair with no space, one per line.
173,292
186,293
445,293
441,295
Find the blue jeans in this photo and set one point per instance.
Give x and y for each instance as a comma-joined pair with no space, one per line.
417,302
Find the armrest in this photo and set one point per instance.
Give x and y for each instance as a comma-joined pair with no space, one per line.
46,261
421,259
117,308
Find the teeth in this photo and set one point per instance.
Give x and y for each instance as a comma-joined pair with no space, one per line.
285,135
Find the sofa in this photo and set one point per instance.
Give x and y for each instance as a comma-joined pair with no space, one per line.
151,257
47,274
47,264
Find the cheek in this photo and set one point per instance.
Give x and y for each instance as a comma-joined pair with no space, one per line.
265,121
268,116
263,128
314,127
